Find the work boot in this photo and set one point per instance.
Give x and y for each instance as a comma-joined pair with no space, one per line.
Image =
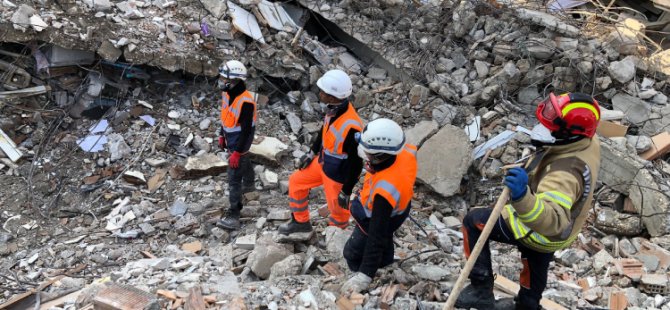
294,227
513,303
478,295
231,221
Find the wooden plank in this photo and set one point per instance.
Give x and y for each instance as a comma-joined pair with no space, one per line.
195,301
22,296
69,298
388,295
25,92
8,147
660,145
510,287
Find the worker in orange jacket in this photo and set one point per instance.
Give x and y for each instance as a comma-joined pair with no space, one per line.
238,125
383,204
336,167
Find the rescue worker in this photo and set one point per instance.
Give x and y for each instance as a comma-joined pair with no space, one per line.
336,167
550,201
384,202
238,125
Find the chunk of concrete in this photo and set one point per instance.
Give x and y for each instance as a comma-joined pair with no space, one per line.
640,143
421,132
109,52
246,242
204,165
99,5
262,258
636,110
215,7
269,149
442,168
294,122
622,71
613,222
335,240
294,237
21,17
627,38
289,266
430,272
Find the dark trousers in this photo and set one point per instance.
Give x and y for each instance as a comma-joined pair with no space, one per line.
533,277
354,249
240,180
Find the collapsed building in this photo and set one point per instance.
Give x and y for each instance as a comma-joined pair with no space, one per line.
111,181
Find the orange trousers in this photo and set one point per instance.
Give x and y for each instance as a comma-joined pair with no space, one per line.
299,185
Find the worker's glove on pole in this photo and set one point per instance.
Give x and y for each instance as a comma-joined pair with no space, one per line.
343,200
517,181
356,284
305,160
222,139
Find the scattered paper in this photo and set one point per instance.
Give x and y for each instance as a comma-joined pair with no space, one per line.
100,126
92,143
148,119
500,139
472,129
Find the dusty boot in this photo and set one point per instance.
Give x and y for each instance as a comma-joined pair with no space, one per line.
513,303
478,295
294,227
231,221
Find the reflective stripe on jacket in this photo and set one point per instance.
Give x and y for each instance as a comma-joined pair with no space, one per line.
395,183
230,118
550,216
333,135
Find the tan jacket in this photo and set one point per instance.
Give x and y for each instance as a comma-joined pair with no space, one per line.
560,194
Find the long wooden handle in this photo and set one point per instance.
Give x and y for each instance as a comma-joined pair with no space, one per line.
478,249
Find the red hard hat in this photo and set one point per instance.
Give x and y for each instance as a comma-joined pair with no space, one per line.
571,114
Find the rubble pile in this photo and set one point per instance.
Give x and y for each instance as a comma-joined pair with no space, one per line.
112,179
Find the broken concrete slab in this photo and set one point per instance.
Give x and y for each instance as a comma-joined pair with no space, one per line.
421,132
246,242
622,71
289,266
636,110
215,7
206,164
613,222
549,21
335,240
109,52
245,22
268,149
262,258
440,168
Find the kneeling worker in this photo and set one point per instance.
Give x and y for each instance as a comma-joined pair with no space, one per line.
384,202
550,201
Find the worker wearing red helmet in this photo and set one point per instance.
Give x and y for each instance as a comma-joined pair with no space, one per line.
550,200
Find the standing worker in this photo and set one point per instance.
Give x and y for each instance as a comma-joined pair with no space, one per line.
238,125
550,201
336,167
384,202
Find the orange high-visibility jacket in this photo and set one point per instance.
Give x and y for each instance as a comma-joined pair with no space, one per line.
333,135
230,119
395,183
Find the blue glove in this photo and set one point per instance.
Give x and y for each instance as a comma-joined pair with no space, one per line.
517,181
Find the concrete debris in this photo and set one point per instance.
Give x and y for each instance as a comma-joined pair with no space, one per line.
444,179
140,66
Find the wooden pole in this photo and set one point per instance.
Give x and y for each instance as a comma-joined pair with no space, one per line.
497,209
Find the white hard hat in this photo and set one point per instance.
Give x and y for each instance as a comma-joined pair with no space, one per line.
233,69
382,136
335,83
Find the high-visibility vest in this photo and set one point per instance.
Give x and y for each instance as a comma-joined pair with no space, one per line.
333,135
395,183
230,119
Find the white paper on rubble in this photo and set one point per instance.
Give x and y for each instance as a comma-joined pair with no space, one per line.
245,22
150,120
92,143
100,126
499,140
